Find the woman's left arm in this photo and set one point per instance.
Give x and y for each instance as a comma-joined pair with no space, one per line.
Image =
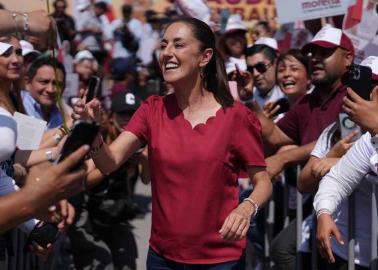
236,225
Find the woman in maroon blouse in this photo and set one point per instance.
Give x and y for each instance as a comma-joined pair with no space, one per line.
198,141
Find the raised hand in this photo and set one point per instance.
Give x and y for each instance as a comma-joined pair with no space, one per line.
343,145
86,111
43,27
244,83
362,111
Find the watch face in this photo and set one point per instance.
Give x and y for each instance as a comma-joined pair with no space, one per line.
349,124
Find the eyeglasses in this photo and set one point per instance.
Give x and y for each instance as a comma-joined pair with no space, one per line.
321,52
260,67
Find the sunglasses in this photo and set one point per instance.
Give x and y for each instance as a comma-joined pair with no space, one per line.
260,67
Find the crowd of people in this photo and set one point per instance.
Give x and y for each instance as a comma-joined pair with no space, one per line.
218,116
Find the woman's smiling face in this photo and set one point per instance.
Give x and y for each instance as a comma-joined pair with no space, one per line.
11,61
180,54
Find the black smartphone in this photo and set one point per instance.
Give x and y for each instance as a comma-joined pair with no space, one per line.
81,134
43,234
284,106
359,79
94,84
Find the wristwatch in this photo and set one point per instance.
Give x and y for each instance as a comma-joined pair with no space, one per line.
49,155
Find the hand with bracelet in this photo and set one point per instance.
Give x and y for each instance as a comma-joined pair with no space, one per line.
37,24
237,223
327,228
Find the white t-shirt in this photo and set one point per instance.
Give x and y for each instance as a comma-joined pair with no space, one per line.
328,193
8,131
8,135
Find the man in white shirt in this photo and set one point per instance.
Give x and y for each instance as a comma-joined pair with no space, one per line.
360,160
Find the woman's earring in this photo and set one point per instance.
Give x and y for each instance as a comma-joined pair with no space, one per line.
201,73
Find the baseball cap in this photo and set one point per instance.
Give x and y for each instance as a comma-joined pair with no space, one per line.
125,102
271,42
372,62
121,66
4,47
234,24
330,37
28,48
84,54
82,4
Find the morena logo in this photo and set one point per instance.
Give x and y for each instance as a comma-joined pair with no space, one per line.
320,4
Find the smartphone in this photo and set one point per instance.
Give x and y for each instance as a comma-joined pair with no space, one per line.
81,134
284,106
359,79
43,234
94,84
347,126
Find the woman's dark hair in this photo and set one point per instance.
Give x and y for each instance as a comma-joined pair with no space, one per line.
267,51
296,53
214,74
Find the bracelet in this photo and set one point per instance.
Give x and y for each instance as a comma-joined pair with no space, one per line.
57,137
321,212
63,130
94,151
14,17
26,22
49,155
254,204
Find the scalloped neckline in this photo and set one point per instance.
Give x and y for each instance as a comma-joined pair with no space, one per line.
199,125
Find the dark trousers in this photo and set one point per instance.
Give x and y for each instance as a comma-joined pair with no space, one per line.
157,262
283,248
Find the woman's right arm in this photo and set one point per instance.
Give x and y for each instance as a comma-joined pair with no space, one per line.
109,158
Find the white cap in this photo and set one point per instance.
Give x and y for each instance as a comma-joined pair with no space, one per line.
27,48
235,23
372,62
82,4
4,47
330,37
85,54
270,42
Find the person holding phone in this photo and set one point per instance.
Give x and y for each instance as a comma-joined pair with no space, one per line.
198,140
11,63
348,174
332,54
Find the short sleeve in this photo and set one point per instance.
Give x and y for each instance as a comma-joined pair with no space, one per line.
248,141
289,124
139,124
323,143
8,131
